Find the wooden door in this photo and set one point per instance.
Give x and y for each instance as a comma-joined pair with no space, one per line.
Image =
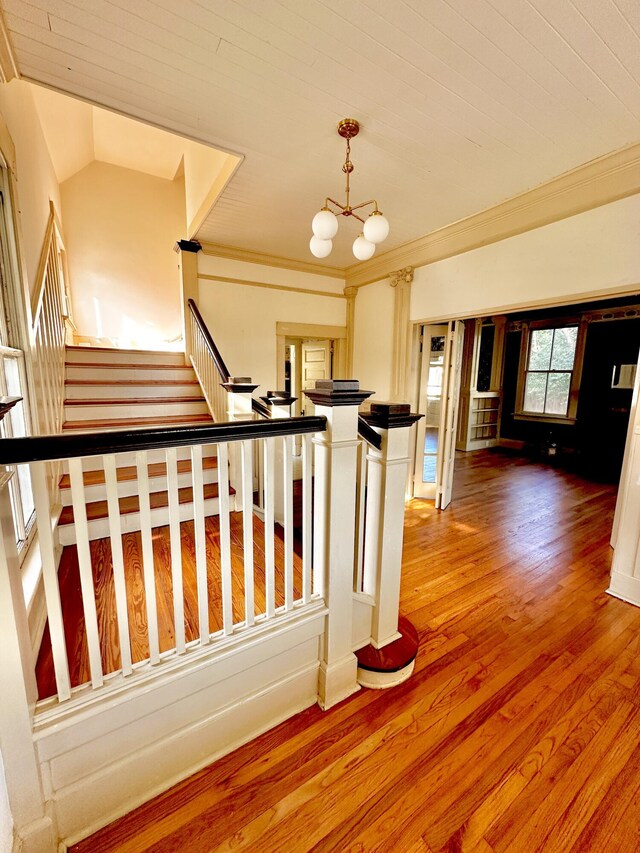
315,364
430,427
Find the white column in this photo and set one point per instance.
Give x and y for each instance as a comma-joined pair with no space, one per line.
32,826
240,389
387,476
334,531
625,569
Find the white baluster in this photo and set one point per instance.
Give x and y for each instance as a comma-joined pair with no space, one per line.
86,573
247,530
201,547
117,559
147,555
269,521
307,517
225,537
50,578
287,474
361,491
176,548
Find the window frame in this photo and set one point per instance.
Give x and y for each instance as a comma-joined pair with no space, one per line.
576,373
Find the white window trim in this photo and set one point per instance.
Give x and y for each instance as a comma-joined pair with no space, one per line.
574,390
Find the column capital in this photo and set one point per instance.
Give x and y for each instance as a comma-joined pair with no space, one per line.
337,392
391,415
403,276
350,292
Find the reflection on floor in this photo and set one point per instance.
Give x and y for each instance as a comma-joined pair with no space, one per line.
517,732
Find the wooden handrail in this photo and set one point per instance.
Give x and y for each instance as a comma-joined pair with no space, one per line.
16,451
260,408
369,434
222,368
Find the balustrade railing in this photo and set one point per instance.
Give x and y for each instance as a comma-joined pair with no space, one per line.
237,604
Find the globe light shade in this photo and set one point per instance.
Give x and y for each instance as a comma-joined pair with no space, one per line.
376,228
320,248
325,225
363,249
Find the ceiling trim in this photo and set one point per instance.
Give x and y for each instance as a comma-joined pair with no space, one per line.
606,179
8,65
250,283
233,253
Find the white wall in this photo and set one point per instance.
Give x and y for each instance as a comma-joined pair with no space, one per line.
591,254
242,319
120,229
373,338
6,822
36,178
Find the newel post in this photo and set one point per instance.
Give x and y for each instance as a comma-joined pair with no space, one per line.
386,483
335,464
239,390
32,826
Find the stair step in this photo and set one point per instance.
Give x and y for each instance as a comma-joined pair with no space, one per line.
109,355
107,424
142,372
98,521
92,389
135,407
96,490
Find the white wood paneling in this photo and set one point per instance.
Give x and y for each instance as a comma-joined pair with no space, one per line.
462,104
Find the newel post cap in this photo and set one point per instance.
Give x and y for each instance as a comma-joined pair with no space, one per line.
240,385
337,392
391,415
278,398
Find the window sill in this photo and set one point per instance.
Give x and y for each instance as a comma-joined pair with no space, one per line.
545,419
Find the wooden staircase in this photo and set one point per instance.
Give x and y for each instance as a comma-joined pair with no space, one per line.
112,389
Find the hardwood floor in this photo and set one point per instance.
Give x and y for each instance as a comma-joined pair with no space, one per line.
517,732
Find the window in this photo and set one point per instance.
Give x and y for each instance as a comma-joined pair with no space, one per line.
550,366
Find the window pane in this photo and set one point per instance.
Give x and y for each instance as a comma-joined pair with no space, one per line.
564,348
540,349
534,392
558,393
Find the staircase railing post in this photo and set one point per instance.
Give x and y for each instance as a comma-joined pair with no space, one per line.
240,389
32,826
334,516
279,404
386,484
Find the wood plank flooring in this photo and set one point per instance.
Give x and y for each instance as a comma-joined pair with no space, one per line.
517,732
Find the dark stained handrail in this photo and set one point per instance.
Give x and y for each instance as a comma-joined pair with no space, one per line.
15,451
369,434
260,408
223,370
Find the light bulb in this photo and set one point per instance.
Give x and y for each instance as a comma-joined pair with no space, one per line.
320,248
376,228
363,249
325,224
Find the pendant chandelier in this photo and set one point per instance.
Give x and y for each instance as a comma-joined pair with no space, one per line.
325,222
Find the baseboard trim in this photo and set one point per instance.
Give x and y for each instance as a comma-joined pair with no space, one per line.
625,587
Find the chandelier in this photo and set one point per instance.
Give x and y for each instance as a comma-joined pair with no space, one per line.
325,222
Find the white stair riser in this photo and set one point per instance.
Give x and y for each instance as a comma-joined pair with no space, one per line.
125,460
99,528
107,356
125,371
127,488
135,411
128,392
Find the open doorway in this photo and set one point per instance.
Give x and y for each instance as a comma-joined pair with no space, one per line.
550,386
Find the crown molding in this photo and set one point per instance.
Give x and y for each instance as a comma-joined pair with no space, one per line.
233,253
249,282
8,65
606,179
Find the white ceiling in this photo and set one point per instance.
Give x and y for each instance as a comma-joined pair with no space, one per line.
463,103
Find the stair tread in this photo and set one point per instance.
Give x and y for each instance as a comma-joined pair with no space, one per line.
130,401
127,382
81,348
122,366
130,472
158,500
125,423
